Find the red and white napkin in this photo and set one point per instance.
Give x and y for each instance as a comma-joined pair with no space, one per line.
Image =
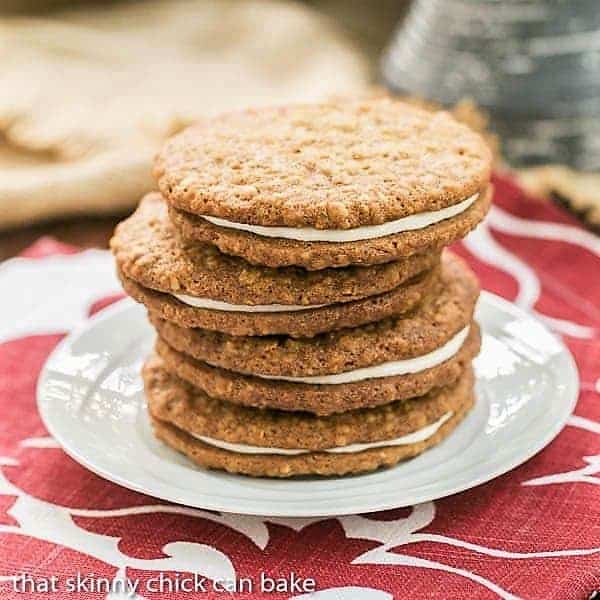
533,533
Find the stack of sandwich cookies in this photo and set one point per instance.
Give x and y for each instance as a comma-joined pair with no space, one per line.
195,285
394,359
308,321
221,435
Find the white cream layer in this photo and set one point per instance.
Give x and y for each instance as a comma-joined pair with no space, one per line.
411,438
249,308
311,234
386,369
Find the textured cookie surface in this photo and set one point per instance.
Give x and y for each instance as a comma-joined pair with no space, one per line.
318,399
173,400
331,166
305,323
445,312
314,463
279,252
177,408
148,251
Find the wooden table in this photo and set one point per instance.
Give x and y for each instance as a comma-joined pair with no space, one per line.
85,233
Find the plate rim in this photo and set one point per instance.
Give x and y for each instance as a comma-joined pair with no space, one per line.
206,503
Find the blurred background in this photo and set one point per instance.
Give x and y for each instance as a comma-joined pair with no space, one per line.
90,90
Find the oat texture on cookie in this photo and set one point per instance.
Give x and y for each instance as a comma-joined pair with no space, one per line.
309,319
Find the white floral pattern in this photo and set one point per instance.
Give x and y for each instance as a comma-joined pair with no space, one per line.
61,293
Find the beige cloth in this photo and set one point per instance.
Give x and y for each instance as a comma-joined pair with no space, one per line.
88,97
579,192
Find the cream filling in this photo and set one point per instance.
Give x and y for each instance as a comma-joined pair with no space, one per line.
386,369
311,234
249,308
411,438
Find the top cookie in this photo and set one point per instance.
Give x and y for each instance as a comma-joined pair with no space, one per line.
339,165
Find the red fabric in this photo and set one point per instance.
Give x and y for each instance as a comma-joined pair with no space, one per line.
501,517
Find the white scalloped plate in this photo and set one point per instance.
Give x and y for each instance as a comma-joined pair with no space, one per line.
91,399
